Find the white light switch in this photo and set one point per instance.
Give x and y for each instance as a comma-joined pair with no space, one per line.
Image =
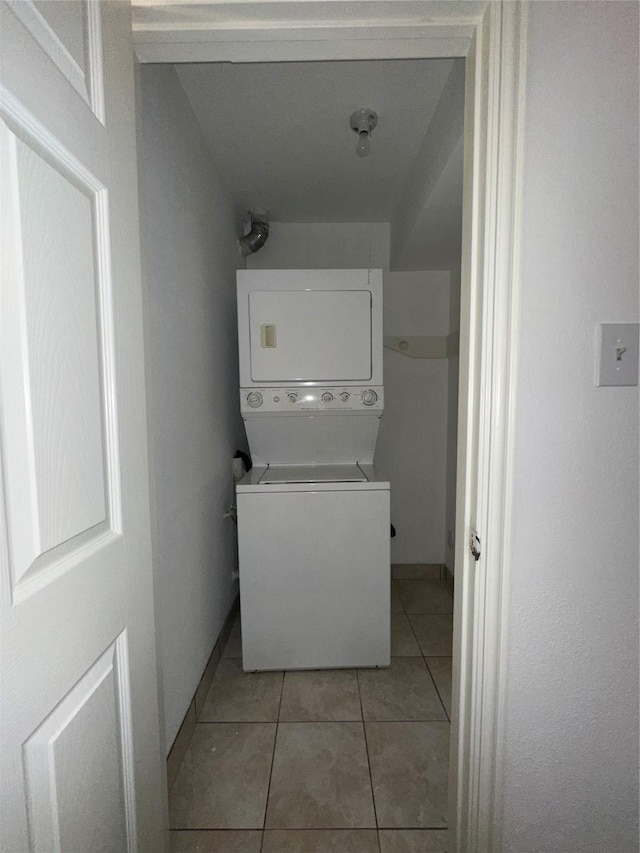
617,354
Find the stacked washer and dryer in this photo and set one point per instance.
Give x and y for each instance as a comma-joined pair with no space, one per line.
313,516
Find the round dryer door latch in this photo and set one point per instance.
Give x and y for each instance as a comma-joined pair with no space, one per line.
254,399
369,397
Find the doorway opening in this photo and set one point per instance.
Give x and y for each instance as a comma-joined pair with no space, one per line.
492,37
219,140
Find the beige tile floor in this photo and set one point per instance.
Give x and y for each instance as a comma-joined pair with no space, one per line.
326,761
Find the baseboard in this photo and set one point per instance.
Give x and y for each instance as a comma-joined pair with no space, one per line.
188,725
412,571
180,744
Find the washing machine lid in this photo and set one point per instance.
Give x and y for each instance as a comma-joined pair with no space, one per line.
251,483
313,474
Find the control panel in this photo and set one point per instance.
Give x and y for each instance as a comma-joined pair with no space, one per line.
289,400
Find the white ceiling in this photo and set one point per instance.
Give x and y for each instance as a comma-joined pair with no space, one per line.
279,132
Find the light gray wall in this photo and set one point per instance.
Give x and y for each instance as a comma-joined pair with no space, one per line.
427,219
571,781
191,256
412,444
411,449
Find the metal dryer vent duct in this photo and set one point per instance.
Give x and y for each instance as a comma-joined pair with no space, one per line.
259,233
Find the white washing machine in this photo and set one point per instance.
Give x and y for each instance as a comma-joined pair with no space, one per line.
313,516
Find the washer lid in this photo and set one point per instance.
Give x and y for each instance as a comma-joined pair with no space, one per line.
313,474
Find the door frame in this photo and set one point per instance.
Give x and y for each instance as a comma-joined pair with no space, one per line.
493,37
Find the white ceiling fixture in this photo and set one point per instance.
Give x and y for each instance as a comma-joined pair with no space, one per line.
362,122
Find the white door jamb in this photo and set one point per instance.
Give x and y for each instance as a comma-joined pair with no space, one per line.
490,301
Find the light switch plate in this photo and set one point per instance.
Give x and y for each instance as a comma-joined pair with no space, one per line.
617,349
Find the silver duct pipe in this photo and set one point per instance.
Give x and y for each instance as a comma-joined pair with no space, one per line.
259,233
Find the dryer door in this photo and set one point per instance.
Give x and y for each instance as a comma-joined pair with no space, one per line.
310,336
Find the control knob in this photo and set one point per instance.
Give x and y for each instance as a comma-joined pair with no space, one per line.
345,396
369,397
292,397
327,397
254,399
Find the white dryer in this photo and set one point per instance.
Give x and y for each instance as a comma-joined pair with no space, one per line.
313,516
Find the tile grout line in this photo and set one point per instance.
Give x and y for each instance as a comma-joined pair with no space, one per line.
273,758
426,663
416,719
424,656
366,746
404,609
415,636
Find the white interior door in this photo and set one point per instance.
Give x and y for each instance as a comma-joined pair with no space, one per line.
82,767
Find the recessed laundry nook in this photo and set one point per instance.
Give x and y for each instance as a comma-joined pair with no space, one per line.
301,227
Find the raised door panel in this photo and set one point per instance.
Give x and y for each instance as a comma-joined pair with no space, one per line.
56,354
69,32
79,761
